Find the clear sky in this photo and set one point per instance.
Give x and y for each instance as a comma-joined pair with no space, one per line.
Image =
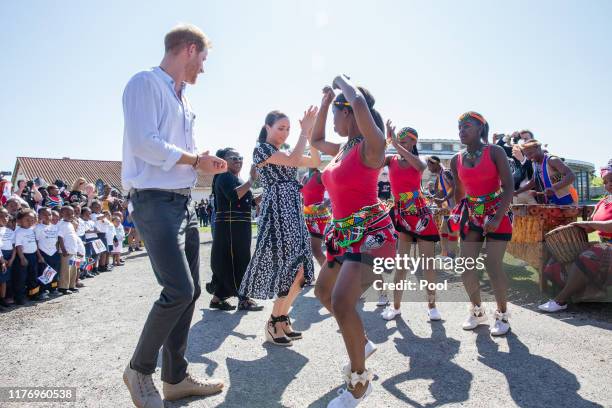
543,65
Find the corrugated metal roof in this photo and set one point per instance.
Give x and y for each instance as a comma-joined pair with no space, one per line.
69,170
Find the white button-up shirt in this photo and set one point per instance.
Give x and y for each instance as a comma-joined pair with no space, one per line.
158,130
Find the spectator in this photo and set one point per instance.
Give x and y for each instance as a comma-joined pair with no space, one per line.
106,198
551,174
53,200
7,256
525,173
26,282
46,239
27,193
55,217
90,192
91,234
210,212
68,244
77,194
13,205
118,241
384,186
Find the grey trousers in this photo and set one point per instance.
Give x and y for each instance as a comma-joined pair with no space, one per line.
168,226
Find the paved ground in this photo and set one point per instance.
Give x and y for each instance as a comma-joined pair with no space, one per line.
85,340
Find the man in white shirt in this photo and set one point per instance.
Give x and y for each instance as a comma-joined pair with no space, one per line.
160,165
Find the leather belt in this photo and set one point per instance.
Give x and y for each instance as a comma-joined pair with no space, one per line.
182,191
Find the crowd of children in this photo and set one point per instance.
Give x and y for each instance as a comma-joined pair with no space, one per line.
47,252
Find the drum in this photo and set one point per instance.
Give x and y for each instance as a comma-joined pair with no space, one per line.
566,243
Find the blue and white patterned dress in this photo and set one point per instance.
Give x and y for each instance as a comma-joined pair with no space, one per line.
283,242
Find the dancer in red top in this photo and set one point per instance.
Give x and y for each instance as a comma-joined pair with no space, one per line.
484,184
361,228
411,216
316,213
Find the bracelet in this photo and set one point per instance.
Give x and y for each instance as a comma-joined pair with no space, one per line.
194,165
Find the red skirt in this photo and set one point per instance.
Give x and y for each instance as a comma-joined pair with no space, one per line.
317,217
479,211
414,218
375,237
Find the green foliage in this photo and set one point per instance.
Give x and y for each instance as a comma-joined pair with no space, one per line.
597,182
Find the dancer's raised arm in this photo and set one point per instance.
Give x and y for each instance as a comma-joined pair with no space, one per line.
318,132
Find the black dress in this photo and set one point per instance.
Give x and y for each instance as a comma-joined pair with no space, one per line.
283,242
231,247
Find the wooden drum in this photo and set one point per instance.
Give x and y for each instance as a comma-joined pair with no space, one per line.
566,243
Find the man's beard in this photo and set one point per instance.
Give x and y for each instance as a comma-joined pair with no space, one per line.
191,74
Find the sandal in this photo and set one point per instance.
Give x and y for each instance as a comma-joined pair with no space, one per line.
282,340
249,305
222,305
293,335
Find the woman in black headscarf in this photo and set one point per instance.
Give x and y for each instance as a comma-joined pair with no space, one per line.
231,248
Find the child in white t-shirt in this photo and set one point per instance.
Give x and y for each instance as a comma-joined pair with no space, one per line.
7,255
118,243
101,226
46,238
91,234
29,258
69,245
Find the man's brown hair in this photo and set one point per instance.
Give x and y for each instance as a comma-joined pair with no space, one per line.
185,35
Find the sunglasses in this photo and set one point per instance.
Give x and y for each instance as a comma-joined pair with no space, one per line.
236,158
342,103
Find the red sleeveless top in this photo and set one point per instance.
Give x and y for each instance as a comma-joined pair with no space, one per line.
350,183
313,191
403,179
482,179
603,212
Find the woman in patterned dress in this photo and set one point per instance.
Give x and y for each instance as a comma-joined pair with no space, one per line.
282,262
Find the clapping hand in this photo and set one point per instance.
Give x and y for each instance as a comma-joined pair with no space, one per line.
307,122
328,96
211,164
391,133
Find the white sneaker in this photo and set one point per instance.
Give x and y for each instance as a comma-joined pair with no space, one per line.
476,318
390,313
551,307
382,301
501,325
346,400
370,348
142,389
433,314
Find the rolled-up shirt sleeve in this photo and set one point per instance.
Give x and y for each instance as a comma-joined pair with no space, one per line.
141,109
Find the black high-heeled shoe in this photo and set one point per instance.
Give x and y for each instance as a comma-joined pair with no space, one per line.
279,341
293,335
